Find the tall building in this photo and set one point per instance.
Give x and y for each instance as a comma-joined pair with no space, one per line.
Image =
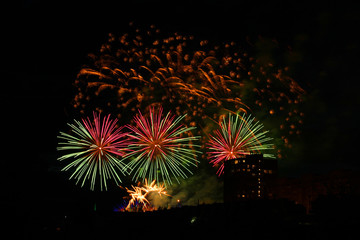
248,177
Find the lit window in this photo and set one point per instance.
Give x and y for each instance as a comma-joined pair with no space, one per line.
243,195
265,171
243,160
248,169
243,169
253,166
236,161
270,171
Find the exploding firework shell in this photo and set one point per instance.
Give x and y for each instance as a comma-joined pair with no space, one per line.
238,136
94,151
160,147
139,195
144,67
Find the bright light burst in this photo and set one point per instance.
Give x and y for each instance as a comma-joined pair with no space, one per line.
138,195
202,78
153,187
95,150
159,149
238,136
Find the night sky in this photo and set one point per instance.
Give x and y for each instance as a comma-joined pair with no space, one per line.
44,45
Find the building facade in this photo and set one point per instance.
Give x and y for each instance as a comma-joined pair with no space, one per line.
248,178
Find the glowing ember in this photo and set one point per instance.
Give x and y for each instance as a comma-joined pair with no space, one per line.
203,79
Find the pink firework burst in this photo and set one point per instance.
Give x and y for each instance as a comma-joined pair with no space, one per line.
94,150
161,148
237,137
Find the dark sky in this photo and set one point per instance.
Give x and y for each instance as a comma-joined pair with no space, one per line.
44,45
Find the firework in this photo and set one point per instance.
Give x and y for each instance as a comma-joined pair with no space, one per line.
238,136
94,150
144,67
153,187
138,195
159,148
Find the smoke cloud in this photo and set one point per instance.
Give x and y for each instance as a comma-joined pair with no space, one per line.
201,188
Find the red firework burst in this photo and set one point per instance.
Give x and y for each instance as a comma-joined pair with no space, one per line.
95,150
239,136
160,147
